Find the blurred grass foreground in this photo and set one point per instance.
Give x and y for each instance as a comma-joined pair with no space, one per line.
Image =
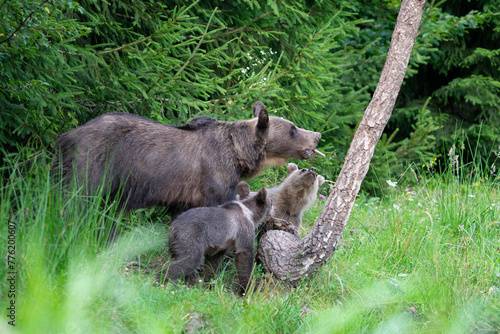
424,258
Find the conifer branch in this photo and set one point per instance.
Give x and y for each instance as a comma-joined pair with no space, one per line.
21,24
190,57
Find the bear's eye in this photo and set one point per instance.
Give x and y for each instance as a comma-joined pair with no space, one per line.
293,131
302,171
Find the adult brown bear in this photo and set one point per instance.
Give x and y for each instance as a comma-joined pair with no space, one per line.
194,165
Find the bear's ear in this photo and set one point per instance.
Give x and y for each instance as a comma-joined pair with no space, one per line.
257,107
291,168
261,197
243,190
263,120
321,180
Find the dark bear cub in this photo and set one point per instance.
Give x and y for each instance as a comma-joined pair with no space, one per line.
210,232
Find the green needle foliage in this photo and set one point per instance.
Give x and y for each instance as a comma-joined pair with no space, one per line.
316,63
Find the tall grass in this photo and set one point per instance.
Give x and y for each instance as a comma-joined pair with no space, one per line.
423,259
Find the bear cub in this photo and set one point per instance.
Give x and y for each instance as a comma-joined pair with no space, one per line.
210,232
290,199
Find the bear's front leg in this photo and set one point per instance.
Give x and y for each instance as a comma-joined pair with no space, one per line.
183,266
282,224
244,264
212,264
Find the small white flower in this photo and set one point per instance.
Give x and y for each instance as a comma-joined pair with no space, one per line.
392,184
472,196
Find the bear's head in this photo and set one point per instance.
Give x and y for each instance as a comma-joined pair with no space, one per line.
285,140
303,183
260,206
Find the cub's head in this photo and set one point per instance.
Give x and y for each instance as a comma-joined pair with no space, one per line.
285,140
259,204
303,182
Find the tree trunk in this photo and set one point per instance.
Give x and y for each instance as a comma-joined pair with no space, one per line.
287,256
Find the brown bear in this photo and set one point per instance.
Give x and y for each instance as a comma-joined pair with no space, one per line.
290,199
210,232
180,167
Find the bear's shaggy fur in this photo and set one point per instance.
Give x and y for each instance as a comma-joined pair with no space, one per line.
197,164
210,232
290,199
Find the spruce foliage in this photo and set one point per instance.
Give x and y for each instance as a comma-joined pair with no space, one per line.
316,63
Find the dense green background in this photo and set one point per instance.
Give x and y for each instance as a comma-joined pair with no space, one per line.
313,62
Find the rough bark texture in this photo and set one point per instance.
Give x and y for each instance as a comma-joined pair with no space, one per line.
287,256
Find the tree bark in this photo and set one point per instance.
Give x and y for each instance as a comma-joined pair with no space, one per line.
289,257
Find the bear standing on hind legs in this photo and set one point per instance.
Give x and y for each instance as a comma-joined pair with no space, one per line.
179,167
212,231
290,199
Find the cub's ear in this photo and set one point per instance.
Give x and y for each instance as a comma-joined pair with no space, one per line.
257,107
321,180
243,190
261,196
291,168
